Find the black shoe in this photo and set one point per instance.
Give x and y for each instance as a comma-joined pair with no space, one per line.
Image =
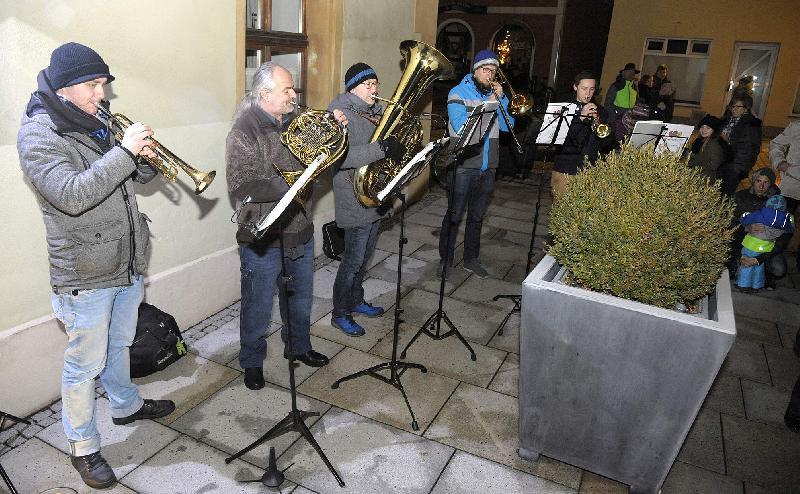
254,378
95,471
311,358
152,409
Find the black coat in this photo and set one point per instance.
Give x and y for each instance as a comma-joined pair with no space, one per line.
582,142
745,143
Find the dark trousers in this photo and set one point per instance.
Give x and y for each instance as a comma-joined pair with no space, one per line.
359,245
472,191
260,270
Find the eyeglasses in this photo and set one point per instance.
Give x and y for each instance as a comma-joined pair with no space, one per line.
371,84
489,70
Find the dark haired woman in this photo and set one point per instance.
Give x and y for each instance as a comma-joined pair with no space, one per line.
709,152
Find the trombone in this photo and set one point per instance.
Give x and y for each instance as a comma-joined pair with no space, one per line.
519,103
165,161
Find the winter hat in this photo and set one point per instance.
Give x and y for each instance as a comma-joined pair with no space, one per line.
711,121
630,66
358,73
767,172
73,63
776,202
485,57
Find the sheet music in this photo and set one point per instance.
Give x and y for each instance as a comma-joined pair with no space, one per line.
283,203
406,170
673,137
480,117
550,122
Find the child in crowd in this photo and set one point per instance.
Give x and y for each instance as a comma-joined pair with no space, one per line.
775,221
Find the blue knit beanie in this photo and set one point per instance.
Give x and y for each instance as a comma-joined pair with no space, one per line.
485,57
73,63
776,202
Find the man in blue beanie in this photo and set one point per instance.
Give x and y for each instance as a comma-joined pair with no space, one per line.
96,241
475,170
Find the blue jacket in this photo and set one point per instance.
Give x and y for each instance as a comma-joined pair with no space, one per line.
460,102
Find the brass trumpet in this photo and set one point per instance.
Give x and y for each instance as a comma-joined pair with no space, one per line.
165,161
519,103
601,130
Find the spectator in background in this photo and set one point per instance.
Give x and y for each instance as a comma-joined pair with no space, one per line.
666,92
622,94
649,95
742,131
784,156
709,152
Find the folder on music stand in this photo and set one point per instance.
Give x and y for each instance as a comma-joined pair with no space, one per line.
476,126
668,137
551,132
413,167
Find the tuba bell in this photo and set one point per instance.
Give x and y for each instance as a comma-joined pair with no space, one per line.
423,65
165,161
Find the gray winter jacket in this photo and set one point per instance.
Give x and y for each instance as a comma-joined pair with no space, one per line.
96,237
360,152
252,148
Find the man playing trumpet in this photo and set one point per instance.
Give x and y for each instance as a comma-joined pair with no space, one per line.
475,173
252,147
96,241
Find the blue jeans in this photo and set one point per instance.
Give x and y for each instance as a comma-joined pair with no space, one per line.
750,276
473,190
100,325
260,271
359,245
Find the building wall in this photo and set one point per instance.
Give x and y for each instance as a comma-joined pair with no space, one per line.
724,22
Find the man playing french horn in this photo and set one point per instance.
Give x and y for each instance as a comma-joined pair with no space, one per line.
252,147
360,223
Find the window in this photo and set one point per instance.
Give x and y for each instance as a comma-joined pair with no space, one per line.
686,60
276,31
796,106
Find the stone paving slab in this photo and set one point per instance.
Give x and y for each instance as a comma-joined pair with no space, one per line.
430,253
222,345
703,445
509,340
375,327
500,250
476,322
784,367
425,219
123,446
757,330
469,473
688,479
276,368
448,357
485,423
746,359
788,334
370,397
187,382
765,403
765,309
591,483
480,291
190,466
388,242
36,466
725,396
761,453
237,416
371,457
417,274
504,211
506,380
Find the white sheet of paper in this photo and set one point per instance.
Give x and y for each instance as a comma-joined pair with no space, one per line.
550,123
283,203
417,159
673,136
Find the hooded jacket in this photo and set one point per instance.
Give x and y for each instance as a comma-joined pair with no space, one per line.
96,237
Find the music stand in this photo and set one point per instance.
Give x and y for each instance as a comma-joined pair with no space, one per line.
667,137
295,420
395,367
6,478
558,114
481,114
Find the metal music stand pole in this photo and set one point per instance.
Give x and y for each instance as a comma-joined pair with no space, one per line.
6,478
395,367
433,325
517,299
295,420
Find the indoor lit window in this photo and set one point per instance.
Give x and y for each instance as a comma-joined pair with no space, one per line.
686,60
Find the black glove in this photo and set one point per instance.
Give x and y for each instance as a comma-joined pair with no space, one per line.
392,148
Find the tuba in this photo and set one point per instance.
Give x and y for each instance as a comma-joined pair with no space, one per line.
165,162
423,65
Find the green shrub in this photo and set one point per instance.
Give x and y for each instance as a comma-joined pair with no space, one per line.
642,227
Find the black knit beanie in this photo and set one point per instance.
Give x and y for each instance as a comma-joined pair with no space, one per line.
357,74
73,63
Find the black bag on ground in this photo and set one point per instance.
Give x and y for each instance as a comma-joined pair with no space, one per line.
158,342
332,241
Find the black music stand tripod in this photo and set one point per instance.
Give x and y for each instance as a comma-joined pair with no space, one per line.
295,420
12,418
560,118
432,327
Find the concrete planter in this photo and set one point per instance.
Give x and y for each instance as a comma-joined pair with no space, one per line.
611,385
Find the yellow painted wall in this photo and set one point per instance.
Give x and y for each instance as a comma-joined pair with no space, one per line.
724,22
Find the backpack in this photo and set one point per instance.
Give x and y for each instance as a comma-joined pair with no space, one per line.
332,241
158,342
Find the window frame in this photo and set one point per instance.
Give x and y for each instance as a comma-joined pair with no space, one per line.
688,53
